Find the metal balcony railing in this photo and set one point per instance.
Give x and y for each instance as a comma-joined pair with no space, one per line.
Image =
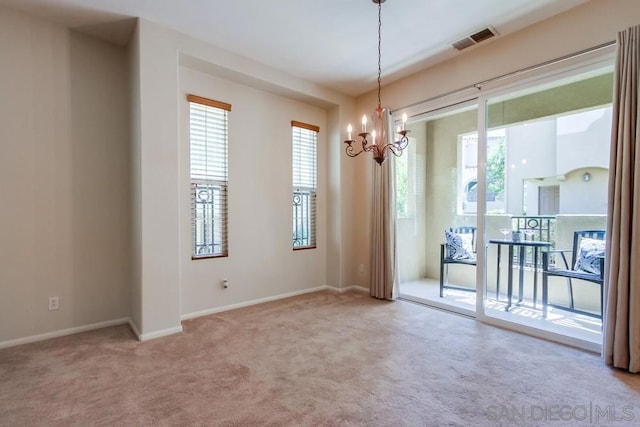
537,228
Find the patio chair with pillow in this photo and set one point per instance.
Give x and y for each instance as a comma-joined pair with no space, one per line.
458,248
587,263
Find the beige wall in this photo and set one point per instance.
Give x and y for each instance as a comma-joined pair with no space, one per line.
135,185
582,27
587,93
264,269
94,131
76,250
64,215
591,24
261,262
590,197
411,228
159,186
440,189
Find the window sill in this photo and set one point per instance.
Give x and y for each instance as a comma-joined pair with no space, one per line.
197,258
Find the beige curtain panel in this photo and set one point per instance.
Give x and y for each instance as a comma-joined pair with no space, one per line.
384,260
622,314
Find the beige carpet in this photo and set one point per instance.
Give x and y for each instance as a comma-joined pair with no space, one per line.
317,359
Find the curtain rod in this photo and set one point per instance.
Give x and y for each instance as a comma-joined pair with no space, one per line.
479,85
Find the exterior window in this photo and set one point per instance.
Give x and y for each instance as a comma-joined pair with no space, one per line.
305,139
407,181
402,186
209,137
468,172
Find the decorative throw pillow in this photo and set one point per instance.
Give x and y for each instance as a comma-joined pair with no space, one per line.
459,246
589,254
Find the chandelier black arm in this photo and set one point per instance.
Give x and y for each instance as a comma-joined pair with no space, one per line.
401,144
365,145
397,147
351,151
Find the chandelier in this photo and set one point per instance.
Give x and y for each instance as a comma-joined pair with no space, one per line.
382,122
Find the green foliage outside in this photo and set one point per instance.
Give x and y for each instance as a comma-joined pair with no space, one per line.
495,171
402,179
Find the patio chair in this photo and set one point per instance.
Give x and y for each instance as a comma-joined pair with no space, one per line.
587,263
459,248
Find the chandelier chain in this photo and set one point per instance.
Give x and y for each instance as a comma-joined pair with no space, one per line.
379,49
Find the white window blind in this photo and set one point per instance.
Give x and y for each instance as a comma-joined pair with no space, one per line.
208,135
304,158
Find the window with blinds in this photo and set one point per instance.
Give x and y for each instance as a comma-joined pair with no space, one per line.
209,137
304,157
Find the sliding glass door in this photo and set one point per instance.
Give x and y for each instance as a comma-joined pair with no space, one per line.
547,159
437,201
493,188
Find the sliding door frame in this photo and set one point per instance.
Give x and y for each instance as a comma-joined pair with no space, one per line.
423,113
539,77
480,94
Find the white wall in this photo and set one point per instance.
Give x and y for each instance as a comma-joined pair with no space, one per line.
64,215
261,262
580,147
529,148
577,146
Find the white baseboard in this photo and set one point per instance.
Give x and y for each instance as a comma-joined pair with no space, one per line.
158,334
251,302
134,329
357,289
63,332
349,288
170,331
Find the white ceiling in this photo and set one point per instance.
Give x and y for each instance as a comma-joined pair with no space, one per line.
330,42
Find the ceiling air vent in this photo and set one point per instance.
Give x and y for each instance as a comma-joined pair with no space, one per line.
475,38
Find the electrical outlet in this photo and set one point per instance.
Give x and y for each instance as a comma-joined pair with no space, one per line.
361,269
225,283
54,303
